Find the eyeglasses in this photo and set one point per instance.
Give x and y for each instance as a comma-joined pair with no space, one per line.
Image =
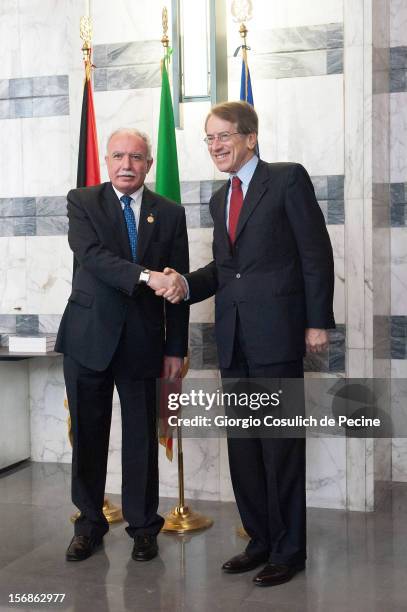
223,137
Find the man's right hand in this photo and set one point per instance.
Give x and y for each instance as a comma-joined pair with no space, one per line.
174,288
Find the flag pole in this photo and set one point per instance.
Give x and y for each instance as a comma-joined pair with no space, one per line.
181,519
112,513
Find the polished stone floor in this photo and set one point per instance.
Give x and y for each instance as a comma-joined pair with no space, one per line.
356,561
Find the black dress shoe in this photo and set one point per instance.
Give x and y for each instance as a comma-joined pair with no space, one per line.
82,547
244,563
277,573
145,548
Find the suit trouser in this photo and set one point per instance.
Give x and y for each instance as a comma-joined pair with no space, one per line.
268,475
90,396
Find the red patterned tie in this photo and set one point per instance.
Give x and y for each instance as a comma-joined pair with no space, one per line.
236,203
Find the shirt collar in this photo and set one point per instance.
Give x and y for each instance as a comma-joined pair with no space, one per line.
246,172
134,196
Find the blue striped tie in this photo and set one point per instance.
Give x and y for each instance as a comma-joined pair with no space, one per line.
131,224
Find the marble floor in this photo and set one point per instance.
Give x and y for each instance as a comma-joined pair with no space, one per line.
356,561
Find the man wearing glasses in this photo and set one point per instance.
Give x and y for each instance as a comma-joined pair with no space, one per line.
273,278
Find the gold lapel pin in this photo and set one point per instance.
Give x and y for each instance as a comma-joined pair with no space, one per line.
150,219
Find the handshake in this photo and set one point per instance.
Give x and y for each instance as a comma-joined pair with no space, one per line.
169,284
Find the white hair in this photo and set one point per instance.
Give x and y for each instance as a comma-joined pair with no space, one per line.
132,132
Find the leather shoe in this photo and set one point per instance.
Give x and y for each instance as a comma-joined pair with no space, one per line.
243,563
277,573
81,547
145,548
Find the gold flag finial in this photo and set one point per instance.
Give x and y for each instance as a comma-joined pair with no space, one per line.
165,40
86,35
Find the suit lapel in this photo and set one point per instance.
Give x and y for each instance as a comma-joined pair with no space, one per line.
147,223
115,213
257,188
219,209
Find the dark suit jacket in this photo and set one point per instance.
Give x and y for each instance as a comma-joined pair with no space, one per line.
106,292
279,276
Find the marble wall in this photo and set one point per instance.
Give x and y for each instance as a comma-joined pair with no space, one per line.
306,60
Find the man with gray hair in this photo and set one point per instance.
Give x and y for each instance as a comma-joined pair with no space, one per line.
116,332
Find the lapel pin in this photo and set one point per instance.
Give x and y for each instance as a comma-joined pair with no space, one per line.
150,219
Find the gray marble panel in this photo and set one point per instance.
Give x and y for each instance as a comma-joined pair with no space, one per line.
398,81
381,214
17,207
4,340
129,54
280,40
382,337
4,109
21,108
99,56
336,187
323,204
100,79
195,334
336,212
24,226
4,88
398,58
316,362
321,187
51,206
334,61
50,106
205,216
7,324
52,226
196,358
193,216
210,356
334,35
6,227
57,85
21,88
337,349
27,324
133,77
398,348
190,192
398,193
398,215
208,188
381,192
289,65
49,324
381,81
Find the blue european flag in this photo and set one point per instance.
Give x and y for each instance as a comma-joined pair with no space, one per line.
246,93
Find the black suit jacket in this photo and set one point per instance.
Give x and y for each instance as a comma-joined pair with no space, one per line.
279,275
106,292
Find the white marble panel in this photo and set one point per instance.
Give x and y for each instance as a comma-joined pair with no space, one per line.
47,27
398,137
399,368
290,13
326,472
200,252
10,65
359,363
13,284
201,470
354,122
399,271
194,161
304,104
49,431
49,274
398,23
11,158
114,462
356,474
399,459
125,20
14,413
353,21
354,273
46,160
339,293
226,489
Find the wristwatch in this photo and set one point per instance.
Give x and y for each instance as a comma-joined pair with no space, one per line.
144,276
